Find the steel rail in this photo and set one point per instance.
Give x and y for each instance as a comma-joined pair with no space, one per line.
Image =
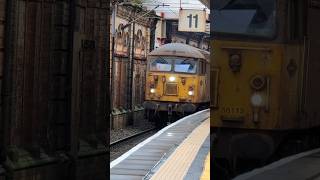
131,137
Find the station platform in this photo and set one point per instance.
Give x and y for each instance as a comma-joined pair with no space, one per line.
178,151
303,166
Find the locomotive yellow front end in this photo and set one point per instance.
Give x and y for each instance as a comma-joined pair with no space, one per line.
264,80
247,103
248,98
169,90
176,79
255,73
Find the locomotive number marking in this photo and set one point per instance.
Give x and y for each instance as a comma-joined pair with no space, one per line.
232,110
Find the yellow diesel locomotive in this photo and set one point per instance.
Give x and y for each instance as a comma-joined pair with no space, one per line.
265,67
177,79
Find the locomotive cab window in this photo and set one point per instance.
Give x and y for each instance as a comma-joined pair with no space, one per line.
188,65
245,17
161,64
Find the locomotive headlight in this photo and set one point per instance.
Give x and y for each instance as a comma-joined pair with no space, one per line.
172,78
152,90
191,92
257,100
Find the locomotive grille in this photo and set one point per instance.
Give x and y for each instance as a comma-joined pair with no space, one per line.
171,89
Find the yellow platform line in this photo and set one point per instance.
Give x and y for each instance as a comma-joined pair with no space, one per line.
206,171
177,165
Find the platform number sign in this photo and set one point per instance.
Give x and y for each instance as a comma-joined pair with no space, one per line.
195,20
192,20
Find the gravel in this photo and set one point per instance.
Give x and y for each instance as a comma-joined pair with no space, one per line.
117,134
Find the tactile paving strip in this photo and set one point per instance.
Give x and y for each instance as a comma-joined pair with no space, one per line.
176,167
206,171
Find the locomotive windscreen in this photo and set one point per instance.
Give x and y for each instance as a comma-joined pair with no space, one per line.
161,64
244,17
185,66
176,64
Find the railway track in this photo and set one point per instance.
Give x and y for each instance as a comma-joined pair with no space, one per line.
131,137
121,146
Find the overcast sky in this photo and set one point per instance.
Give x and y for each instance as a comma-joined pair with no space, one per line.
172,11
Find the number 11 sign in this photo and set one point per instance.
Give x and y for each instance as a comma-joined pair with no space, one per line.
192,20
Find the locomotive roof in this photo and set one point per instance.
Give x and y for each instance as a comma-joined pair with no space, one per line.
181,50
